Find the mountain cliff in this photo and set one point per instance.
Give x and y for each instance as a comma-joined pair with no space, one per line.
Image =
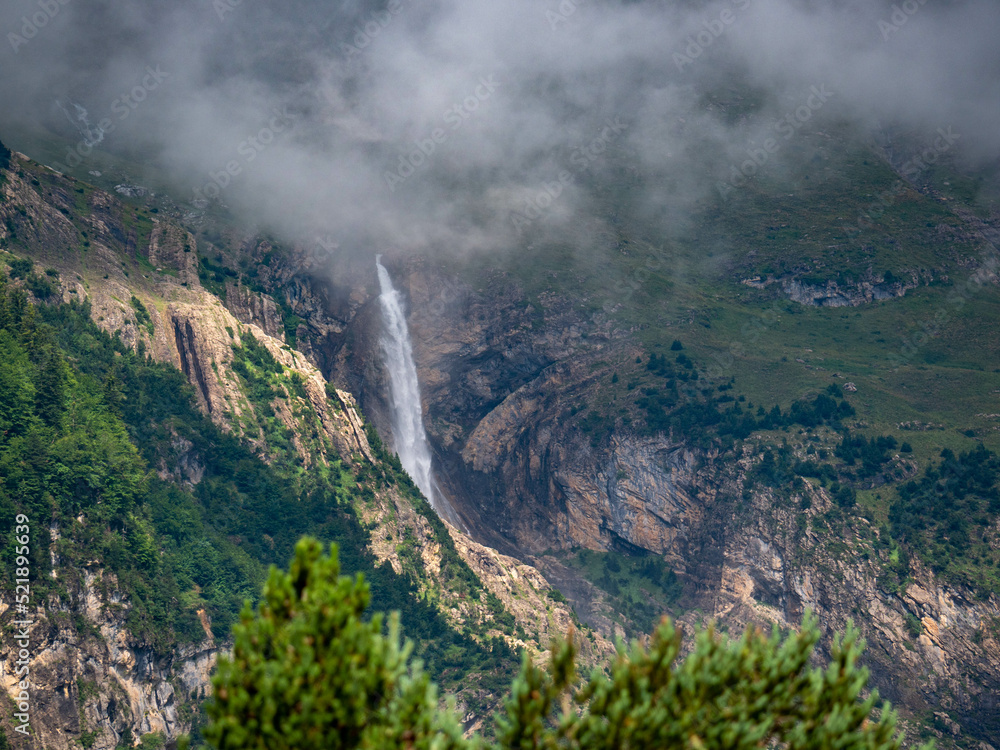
649,430
120,290
538,424
657,431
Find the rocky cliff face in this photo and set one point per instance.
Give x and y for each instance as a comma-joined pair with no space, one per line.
832,293
92,681
933,648
496,385
502,384
96,683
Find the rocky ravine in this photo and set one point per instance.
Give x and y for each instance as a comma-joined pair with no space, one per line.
499,391
91,678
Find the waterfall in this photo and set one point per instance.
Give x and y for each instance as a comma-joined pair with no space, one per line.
404,392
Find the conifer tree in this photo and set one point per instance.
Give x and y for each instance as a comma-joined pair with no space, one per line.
308,671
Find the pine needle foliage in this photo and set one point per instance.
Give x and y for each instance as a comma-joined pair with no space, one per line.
308,671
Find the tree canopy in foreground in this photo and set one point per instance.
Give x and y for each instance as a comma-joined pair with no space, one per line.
308,671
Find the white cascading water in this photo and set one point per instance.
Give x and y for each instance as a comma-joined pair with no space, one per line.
404,391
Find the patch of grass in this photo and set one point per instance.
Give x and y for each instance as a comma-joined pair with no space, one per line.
641,588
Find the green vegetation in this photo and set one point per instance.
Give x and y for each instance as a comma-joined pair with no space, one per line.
83,420
458,576
640,587
949,516
309,671
136,221
262,378
142,315
20,268
40,286
152,741
213,275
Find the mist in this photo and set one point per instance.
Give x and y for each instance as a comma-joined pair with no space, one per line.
455,128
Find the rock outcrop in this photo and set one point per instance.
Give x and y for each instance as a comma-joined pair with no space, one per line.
832,293
255,308
97,682
931,646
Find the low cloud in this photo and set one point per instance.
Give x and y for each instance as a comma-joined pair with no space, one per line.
368,92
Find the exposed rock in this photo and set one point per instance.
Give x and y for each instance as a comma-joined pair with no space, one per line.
104,681
254,308
774,570
833,293
524,593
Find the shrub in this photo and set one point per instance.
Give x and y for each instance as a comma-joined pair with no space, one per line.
20,268
308,671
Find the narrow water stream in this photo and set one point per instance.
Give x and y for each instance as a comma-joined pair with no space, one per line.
404,393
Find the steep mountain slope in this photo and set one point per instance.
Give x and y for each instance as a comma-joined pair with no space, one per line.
122,643
770,423
778,405
545,441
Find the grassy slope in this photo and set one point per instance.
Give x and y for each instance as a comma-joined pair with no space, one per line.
688,287
930,358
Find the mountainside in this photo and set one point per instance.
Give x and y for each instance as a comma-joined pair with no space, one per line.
809,420
523,419
806,419
236,446
669,308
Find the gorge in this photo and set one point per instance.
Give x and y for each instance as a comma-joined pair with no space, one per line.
530,309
